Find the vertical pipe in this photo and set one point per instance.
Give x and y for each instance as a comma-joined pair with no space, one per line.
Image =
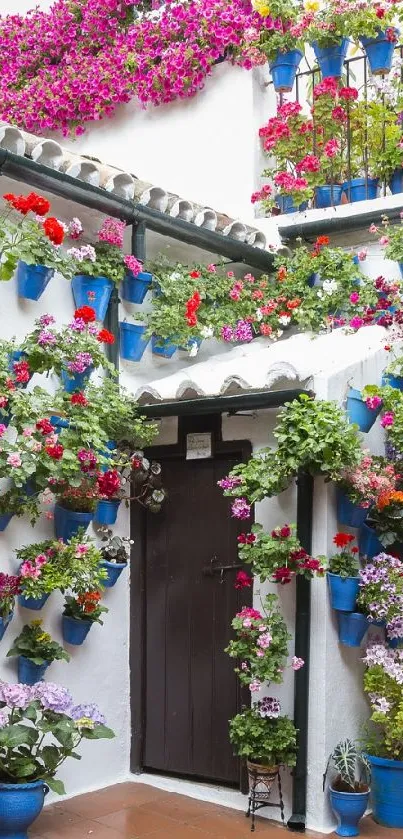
112,323
297,822
139,240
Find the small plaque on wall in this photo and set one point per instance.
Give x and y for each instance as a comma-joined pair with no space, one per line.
198,446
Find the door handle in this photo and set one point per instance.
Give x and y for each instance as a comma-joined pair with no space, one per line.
211,570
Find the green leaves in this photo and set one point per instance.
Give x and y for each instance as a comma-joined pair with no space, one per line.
100,732
18,735
264,740
54,784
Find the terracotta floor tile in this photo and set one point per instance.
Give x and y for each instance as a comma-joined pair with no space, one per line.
181,808
137,821
111,799
53,817
230,825
84,829
181,831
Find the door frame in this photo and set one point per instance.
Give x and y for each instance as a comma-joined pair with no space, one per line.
137,634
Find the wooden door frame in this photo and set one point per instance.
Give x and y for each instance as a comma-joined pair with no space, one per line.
137,633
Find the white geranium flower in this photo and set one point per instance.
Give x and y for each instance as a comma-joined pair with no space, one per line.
330,286
207,331
193,349
258,314
175,276
284,320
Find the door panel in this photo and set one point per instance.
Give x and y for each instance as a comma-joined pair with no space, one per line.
191,689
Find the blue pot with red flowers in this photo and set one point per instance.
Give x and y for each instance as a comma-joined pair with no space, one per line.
343,592
4,622
368,542
358,411
113,570
284,70
361,189
133,341
32,280
58,423
68,522
30,673
352,628
74,631
92,291
20,805
163,347
379,50
328,195
107,511
287,206
331,59
75,381
135,286
348,513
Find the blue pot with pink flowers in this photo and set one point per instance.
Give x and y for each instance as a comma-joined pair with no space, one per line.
75,381
328,195
20,805
107,511
32,280
4,622
92,291
379,51
286,204
393,381
68,522
135,286
361,189
358,411
284,70
331,59
348,513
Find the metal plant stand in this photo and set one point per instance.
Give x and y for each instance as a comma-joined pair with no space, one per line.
261,782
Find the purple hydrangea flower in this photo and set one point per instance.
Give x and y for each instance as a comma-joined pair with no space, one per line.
90,712
53,697
3,719
16,695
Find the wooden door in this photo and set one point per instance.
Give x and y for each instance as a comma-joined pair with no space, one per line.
191,690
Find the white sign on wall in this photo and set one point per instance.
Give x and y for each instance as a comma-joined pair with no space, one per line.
198,446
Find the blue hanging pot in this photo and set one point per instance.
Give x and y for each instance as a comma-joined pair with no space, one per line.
361,189
328,195
343,592
348,513
387,791
379,52
75,381
35,603
30,673
4,622
368,542
68,522
107,511
393,381
394,643
352,628
163,347
284,70
314,279
5,519
111,446
32,280
134,288
20,805
349,808
114,570
92,291
191,342
75,631
132,341
59,423
287,206
331,59
358,411
396,181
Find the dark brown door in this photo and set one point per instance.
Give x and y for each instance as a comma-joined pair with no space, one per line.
190,687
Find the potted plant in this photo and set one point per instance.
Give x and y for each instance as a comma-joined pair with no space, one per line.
349,789
391,240
265,739
9,589
277,556
261,644
32,245
278,43
35,650
326,29
386,517
115,551
31,750
360,410
75,505
343,583
111,490
381,594
359,488
383,680
374,27
58,566
79,614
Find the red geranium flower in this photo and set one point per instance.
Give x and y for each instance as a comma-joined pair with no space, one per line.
44,426
343,539
54,230
243,580
56,451
86,313
78,398
283,575
195,275
109,483
21,372
105,337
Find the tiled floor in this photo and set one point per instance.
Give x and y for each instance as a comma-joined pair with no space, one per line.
134,811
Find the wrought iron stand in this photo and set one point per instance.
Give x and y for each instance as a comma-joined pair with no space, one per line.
261,782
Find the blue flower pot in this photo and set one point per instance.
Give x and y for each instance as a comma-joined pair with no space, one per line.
75,631
68,522
394,643
190,343
358,411
35,603
111,446
114,570
4,622
314,279
348,807
379,52
387,790
393,381
92,291
284,69
348,513
331,59
5,519
163,347
134,288
75,381
59,423
361,189
30,673
368,542
106,512
287,206
20,805
396,181
343,592
380,624
401,268
352,628
32,280
132,341
328,195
